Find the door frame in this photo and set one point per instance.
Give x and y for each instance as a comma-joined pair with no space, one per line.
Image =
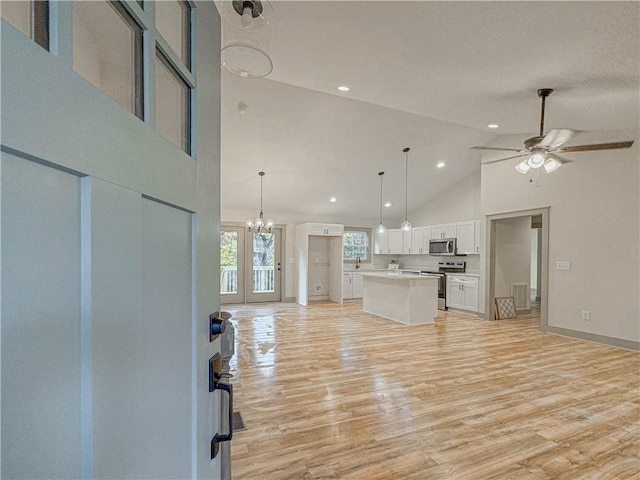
490,260
245,260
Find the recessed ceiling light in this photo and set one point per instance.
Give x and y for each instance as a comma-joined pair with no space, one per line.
440,164
333,200
344,88
493,125
388,204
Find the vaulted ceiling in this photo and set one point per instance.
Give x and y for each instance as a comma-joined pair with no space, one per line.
427,75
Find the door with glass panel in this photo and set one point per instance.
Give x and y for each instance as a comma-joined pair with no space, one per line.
263,266
250,265
232,264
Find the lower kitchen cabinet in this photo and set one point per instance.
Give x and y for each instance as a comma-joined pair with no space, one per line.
462,292
357,285
352,285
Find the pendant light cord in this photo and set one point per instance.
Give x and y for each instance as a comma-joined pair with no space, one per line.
406,176
381,174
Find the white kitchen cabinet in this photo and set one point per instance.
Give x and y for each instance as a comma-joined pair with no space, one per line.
329,269
352,285
420,237
381,243
325,229
446,230
399,241
347,285
357,285
478,236
395,241
468,237
462,292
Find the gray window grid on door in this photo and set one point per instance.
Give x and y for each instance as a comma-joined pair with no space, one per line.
141,15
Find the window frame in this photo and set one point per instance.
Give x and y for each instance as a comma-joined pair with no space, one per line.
368,233
168,63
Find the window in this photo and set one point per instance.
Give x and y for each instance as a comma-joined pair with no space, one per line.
107,51
355,244
173,98
173,22
30,17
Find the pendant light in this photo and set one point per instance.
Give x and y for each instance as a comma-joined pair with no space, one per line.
246,36
259,225
406,226
380,228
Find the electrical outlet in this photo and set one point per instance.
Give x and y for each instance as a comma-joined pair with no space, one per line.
586,315
318,288
563,265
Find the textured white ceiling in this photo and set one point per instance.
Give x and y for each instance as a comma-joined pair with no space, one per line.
428,75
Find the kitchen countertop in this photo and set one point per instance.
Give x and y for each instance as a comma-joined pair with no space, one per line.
396,275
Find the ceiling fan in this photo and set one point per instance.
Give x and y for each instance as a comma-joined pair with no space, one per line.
543,150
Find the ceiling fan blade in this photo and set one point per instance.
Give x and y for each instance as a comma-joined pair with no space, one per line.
498,148
508,158
560,158
595,146
556,137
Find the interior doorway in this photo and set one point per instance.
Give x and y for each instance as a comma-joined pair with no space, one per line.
250,265
501,260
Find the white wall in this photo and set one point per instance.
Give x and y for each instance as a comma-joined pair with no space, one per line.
594,224
458,204
513,254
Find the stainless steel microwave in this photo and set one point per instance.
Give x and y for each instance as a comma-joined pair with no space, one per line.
442,246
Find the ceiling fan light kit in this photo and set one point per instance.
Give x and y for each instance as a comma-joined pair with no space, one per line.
542,150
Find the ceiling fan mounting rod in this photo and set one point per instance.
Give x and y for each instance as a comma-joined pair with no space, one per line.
543,93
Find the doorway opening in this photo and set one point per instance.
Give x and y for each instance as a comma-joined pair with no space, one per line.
517,261
250,265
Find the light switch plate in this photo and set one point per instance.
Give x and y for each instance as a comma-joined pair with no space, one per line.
563,265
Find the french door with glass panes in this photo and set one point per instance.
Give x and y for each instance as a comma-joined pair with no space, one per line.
250,265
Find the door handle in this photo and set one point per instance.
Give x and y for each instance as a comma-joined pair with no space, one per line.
217,438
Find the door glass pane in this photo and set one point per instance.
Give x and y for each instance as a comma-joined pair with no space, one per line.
18,14
228,262
106,51
263,262
172,104
173,23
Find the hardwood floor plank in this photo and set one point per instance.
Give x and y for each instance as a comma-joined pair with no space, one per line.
331,392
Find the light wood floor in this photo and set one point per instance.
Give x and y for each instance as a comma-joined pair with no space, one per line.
330,392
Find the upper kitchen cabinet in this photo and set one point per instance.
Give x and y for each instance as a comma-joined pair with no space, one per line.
399,241
468,236
420,237
325,229
381,242
447,230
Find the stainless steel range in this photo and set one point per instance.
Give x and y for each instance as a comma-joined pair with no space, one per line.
443,269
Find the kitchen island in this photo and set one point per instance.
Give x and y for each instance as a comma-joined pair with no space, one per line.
405,298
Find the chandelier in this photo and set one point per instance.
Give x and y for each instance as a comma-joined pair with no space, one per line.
259,225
